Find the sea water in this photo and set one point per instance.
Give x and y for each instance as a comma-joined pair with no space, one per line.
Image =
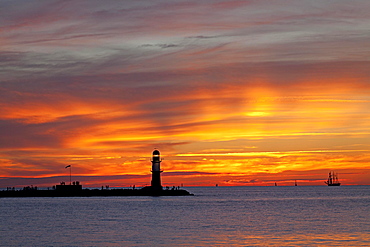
215,216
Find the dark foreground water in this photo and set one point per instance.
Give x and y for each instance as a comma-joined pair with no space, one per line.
215,216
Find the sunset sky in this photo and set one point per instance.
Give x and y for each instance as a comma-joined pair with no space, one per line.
230,92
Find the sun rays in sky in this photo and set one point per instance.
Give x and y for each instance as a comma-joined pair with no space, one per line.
230,92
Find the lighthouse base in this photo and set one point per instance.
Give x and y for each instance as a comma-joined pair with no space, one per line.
156,180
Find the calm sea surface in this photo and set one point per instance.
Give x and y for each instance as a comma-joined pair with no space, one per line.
215,216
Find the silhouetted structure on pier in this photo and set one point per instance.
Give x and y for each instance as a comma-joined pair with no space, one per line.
73,187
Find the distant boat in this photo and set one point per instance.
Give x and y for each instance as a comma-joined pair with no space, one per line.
295,184
332,179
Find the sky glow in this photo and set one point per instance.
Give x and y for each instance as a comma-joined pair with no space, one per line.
230,92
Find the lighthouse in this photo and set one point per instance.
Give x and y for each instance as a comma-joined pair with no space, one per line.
156,171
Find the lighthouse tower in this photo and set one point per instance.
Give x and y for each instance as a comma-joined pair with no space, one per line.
156,171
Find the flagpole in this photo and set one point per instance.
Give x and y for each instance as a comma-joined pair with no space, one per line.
70,174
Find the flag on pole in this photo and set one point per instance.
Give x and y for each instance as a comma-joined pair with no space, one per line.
68,166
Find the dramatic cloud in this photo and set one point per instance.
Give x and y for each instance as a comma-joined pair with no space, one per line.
231,92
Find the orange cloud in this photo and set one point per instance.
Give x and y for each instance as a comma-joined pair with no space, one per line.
234,96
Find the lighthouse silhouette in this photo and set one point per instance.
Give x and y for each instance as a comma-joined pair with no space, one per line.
156,171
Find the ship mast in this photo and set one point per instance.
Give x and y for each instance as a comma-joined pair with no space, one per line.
330,178
335,178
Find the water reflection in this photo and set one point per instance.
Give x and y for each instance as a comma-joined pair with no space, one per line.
241,216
